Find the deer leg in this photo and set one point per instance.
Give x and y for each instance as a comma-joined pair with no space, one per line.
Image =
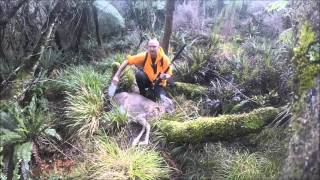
146,140
136,140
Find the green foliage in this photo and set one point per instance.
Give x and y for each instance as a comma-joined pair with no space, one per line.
191,91
314,53
111,162
264,100
56,59
22,127
127,80
119,57
277,6
24,124
194,60
185,110
115,119
76,78
222,90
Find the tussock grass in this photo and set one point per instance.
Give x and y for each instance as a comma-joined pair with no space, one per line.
84,112
85,99
218,161
109,161
248,166
79,77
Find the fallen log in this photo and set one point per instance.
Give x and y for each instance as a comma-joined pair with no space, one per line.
217,128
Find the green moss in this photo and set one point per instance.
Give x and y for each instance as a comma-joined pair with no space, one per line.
222,127
306,70
189,90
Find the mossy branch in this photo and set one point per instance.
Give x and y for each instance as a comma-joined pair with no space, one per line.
217,128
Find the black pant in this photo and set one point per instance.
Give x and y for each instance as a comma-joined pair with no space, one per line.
146,88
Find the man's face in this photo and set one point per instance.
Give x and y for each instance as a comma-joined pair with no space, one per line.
153,46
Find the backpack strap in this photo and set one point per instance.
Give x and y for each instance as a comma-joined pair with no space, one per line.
145,59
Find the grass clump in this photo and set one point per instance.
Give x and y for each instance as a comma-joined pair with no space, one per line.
115,119
222,161
85,102
111,162
249,166
84,111
79,77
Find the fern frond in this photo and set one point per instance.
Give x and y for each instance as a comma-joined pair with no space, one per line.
24,151
9,137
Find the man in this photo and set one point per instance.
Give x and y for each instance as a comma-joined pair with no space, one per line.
154,64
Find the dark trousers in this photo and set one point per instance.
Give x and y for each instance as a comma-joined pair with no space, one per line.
146,88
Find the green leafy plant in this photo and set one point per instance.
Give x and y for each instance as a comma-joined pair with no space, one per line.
21,130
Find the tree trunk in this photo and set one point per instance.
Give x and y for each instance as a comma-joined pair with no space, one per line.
303,154
168,25
96,23
217,128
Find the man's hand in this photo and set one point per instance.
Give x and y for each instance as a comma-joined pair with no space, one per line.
165,76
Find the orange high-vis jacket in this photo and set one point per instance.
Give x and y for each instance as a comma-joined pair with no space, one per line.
162,62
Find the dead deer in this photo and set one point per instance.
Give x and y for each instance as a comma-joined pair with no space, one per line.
141,110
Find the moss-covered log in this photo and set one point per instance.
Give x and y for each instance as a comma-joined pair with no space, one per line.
216,128
189,90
